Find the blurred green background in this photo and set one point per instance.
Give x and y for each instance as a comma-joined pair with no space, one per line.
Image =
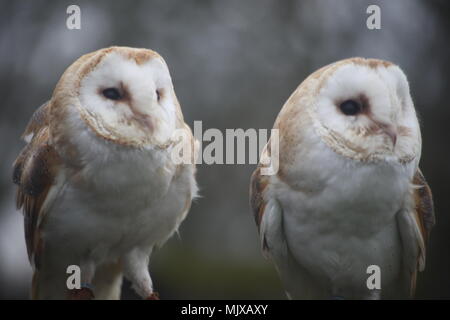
233,63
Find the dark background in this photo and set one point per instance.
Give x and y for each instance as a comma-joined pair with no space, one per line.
233,63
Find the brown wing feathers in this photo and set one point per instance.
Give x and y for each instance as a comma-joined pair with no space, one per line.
257,202
38,120
34,173
423,205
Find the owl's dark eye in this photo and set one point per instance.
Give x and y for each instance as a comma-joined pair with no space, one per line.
158,94
112,94
350,107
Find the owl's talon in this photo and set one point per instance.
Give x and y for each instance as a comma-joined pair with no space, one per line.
81,294
153,296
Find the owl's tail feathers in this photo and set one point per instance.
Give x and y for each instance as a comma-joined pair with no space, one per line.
48,285
35,286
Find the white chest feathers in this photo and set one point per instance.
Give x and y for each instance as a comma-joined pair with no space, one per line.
345,220
120,200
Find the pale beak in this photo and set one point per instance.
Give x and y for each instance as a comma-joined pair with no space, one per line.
390,131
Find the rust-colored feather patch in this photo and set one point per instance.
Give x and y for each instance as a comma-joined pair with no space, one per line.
39,119
424,205
425,219
34,173
257,202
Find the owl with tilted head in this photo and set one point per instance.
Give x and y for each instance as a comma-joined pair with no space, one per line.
97,182
349,198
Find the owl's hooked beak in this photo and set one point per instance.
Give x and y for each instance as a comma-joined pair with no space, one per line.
144,119
390,131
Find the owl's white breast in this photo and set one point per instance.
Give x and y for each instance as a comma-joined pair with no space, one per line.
340,218
121,198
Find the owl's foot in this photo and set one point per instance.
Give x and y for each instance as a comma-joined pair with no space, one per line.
153,296
81,294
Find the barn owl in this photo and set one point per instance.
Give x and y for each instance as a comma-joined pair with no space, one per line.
97,182
348,193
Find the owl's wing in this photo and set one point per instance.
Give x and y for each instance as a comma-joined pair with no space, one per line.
267,213
415,224
35,172
39,120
